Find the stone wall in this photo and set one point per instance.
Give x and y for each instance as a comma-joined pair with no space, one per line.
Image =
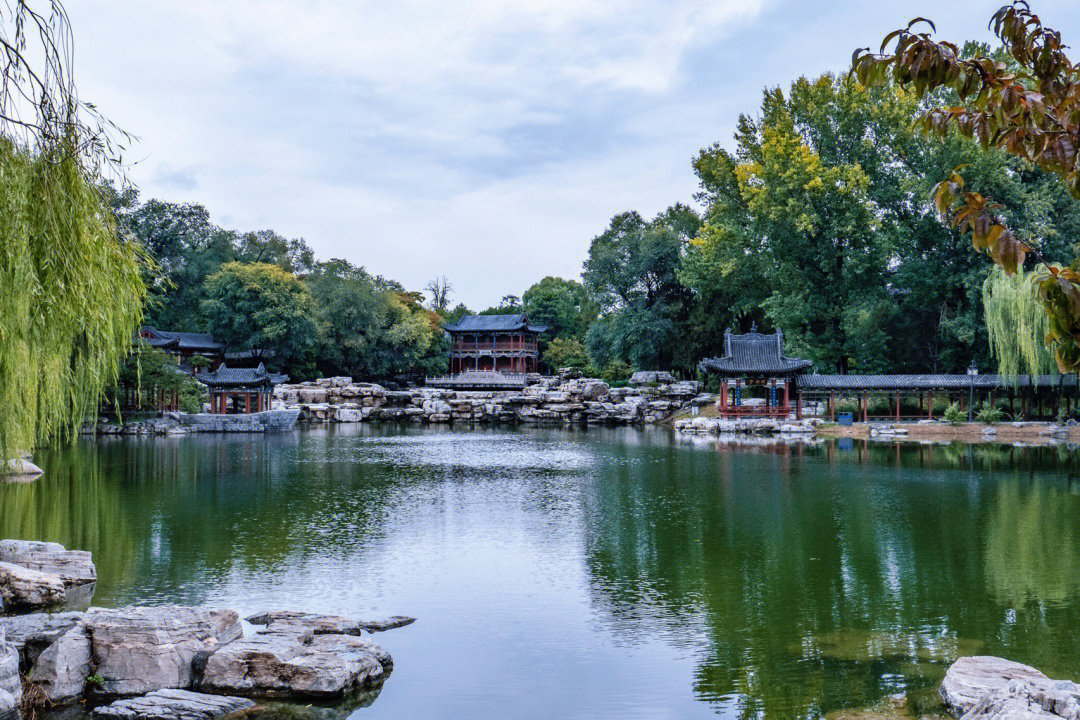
550,401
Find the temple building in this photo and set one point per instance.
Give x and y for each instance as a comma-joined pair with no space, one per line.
240,390
185,345
494,343
754,361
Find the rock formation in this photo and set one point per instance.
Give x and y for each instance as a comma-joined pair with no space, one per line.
172,705
990,688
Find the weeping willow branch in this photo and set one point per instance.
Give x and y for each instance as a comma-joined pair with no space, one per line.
71,290
1017,324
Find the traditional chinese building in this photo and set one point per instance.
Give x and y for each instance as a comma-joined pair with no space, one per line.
185,344
756,360
240,390
494,343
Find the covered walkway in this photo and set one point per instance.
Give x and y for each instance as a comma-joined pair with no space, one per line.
912,397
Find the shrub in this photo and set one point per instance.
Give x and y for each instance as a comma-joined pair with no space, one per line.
988,414
953,415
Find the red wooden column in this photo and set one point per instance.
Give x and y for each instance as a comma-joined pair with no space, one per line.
723,395
832,407
898,406
787,401
798,405
930,405
865,407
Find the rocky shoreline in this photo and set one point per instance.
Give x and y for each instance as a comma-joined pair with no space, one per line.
167,662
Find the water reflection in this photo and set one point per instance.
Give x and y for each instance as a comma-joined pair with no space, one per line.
610,573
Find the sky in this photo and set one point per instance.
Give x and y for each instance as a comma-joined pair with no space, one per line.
487,142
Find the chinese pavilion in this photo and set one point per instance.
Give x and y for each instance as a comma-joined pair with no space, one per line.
494,343
755,359
184,344
240,390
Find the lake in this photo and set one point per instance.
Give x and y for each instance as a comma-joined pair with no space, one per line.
608,573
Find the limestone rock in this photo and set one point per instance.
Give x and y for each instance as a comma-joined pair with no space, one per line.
138,650
172,705
970,678
8,706
394,621
62,668
318,624
19,470
22,588
1029,700
295,664
10,682
74,567
31,634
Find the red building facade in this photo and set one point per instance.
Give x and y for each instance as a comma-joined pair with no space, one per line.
494,343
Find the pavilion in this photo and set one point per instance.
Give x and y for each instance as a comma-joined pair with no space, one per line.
494,343
240,390
756,359
184,345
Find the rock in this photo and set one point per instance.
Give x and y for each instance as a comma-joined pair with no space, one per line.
1029,700
19,470
649,377
173,705
389,623
31,634
318,624
75,567
9,706
62,668
10,682
138,650
22,588
971,678
284,662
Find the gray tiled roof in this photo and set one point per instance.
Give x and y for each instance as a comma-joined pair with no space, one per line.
237,377
755,354
181,340
490,323
931,382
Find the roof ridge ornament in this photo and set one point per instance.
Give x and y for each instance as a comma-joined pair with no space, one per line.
753,326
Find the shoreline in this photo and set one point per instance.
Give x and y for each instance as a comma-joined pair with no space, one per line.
1028,433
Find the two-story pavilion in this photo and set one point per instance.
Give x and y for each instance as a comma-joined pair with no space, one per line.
185,344
755,359
494,343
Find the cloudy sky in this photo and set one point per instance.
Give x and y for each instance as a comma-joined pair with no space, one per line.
485,141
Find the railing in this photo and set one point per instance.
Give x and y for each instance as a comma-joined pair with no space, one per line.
479,379
781,411
463,346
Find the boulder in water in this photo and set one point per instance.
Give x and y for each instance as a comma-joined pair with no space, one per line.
172,705
22,588
970,679
74,567
137,650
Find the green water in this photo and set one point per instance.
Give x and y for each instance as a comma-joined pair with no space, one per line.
607,574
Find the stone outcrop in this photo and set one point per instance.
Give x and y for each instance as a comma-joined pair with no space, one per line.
179,423
745,426
548,401
31,634
10,682
140,649
61,669
288,660
327,624
74,567
19,470
173,705
8,706
993,688
22,588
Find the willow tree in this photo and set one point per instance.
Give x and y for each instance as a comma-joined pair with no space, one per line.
71,291
1017,324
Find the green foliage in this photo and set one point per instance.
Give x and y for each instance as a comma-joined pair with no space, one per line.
71,297
263,307
370,328
563,306
1023,102
988,414
565,353
632,274
1017,324
953,415
616,372
147,372
95,680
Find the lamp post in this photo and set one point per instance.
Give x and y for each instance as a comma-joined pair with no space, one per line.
972,371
